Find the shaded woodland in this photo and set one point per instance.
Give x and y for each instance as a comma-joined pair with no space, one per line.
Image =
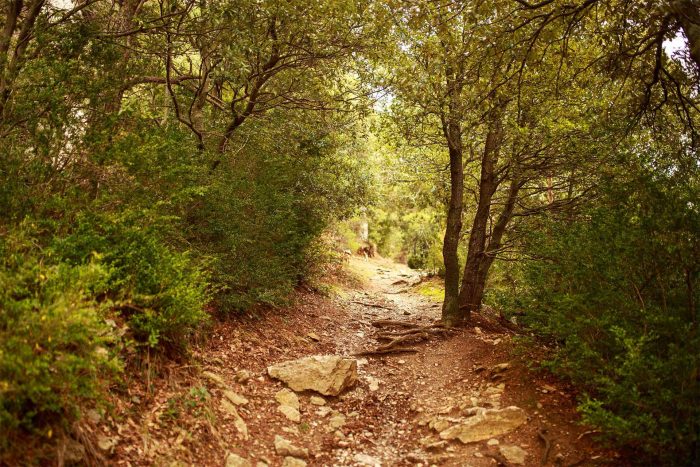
166,165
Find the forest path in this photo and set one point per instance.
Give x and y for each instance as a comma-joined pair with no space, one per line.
228,412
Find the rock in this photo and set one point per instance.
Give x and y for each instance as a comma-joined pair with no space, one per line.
107,443
326,374
493,442
337,420
317,400
238,422
500,368
314,337
323,411
373,383
293,462
234,460
284,447
291,413
228,408
74,452
439,424
287,397
242,376
261,464
365,459
94,416
486,424
235,398
214,378
514,454
430,444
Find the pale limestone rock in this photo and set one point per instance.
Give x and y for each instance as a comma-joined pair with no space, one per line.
107,443
238,422
337,420
234,460
373,383
242,376
291,413
514,454
284,447
287,397
293,462
313,336
235,398
365,459
326,374
214,378
317,400
486,425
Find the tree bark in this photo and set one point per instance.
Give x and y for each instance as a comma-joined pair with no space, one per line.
453,228
476,269
688,14
452,130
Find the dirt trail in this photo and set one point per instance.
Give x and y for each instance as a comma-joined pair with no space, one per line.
391,417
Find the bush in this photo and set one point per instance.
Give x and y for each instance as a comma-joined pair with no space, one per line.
618,293
160,292
54,343
261,218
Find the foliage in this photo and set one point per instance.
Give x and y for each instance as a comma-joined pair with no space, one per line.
617,289
263,215
56,352
160,292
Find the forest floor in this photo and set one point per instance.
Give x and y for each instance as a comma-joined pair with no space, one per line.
390,417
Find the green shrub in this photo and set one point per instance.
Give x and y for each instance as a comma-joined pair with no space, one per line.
264,211
617,291
55,348
160,292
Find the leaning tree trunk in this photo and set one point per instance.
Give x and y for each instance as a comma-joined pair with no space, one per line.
476,269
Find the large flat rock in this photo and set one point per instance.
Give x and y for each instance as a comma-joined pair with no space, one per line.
326,374
486,424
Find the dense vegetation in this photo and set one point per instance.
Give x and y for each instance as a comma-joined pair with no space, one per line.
164,164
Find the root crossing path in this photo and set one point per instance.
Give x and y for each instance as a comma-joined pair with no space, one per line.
424,395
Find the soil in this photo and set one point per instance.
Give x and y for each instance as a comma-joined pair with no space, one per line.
178,420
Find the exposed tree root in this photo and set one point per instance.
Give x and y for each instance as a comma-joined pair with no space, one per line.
542,434
373,305
500,460
395,350
404,339
405,324
411,333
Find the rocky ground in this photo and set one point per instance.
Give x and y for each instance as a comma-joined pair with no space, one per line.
453,398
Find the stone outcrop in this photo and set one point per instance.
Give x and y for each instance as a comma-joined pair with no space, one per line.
326,374
486,424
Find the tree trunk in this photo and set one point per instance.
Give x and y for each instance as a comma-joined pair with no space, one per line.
476,269
688,14
453,229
